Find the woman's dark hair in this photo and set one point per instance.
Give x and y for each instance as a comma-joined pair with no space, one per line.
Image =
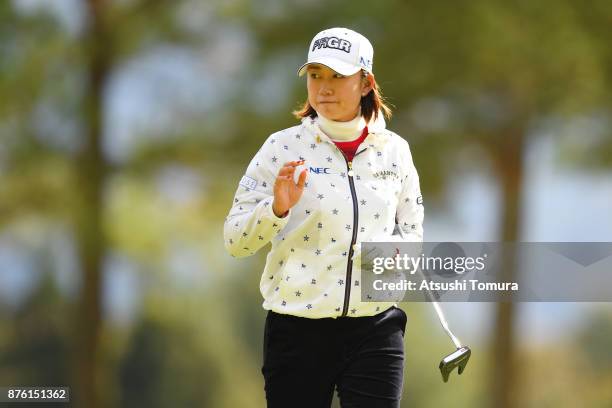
371,104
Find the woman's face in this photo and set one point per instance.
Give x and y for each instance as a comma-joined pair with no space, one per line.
333,95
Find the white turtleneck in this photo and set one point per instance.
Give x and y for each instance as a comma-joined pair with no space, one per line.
342,131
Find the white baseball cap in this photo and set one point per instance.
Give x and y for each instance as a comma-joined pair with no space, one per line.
341,49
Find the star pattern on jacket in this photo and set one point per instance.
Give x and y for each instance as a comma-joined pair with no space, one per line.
317,239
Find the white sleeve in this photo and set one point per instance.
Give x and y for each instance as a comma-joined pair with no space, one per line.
410,211
251,223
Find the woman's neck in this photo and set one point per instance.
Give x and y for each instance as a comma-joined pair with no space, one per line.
341,131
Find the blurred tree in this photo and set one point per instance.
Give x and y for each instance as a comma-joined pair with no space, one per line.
594,341
44,68
164,367
35,348
89,216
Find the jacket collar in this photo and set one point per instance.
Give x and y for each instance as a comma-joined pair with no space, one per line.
377,132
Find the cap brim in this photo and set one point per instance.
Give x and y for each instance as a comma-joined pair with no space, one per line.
340,67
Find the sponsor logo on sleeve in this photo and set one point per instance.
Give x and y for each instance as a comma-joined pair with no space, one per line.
248,182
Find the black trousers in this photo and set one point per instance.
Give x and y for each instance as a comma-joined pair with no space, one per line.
362,357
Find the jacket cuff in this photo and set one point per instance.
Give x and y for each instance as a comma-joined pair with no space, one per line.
280,220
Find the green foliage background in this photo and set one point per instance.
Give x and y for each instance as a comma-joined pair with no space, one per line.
463,76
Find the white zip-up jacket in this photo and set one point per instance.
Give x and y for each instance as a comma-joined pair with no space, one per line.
313,268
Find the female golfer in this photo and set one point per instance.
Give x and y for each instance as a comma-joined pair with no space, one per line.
316,191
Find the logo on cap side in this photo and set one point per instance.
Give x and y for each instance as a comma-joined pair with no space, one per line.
332,42
365,62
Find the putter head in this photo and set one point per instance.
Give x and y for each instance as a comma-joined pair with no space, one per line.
459,358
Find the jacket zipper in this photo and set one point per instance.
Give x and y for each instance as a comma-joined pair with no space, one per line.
349,264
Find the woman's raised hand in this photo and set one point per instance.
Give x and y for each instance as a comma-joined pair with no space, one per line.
286,191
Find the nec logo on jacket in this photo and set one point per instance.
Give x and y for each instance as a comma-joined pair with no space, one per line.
319,170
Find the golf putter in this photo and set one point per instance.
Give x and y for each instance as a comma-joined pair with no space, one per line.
458,358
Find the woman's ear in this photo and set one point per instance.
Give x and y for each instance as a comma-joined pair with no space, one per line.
367,84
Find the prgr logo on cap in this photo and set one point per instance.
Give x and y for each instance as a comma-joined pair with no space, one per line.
332,42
